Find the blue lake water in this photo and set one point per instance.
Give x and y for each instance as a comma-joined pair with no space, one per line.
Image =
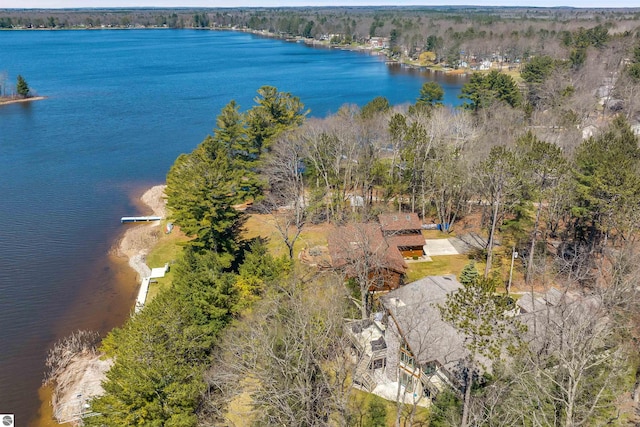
122,105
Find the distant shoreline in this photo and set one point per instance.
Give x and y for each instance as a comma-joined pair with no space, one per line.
357,47
322,44
7,101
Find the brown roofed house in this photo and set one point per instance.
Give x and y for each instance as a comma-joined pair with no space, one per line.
363,253
404,231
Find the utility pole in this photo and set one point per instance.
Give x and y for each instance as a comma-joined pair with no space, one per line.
514,255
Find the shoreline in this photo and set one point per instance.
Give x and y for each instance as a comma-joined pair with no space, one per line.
357,47
9,101
137,241
311,42
86,371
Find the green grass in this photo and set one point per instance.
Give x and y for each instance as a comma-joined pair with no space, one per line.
263,226
360,401
439,266
435,234
167,249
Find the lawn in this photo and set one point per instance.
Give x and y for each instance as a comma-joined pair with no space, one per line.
260,225
435,234
166,250
316,235
169,247
239,410
439,266
360,402
311,236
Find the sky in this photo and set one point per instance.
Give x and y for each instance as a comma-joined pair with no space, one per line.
51,4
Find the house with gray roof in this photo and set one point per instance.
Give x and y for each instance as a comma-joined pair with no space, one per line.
407,343
407,347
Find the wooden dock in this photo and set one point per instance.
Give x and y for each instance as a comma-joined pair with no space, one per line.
126,219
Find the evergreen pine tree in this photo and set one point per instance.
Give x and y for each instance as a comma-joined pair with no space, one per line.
376,413
469,274
22,87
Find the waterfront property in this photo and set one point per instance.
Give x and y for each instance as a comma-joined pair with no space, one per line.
404,231
85,288
407,344
361,252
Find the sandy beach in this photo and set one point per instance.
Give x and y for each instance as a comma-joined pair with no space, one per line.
138,240
83,373
7,101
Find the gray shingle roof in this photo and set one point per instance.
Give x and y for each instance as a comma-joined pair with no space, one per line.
414,308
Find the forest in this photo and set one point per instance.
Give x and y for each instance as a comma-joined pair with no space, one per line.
544,162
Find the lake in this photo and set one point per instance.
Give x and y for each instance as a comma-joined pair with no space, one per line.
121,106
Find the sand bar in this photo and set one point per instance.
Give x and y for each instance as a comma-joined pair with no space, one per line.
7,101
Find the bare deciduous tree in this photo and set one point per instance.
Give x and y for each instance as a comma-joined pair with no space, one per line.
497,185
361,253
4,77
286,199
290,357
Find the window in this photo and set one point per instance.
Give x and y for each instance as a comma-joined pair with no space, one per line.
426,392
407,360
378,363
429,368
406,357
407,380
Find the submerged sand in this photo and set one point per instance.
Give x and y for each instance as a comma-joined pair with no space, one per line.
139,239
84,373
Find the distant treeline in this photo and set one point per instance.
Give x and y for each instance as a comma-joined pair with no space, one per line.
448,34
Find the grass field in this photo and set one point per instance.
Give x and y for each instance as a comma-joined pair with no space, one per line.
264,226
170,246
360,402
167,250
258,225
435,234
439,266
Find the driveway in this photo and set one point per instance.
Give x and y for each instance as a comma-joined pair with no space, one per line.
439,247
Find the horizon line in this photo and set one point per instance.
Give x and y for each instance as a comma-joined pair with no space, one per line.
391,6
